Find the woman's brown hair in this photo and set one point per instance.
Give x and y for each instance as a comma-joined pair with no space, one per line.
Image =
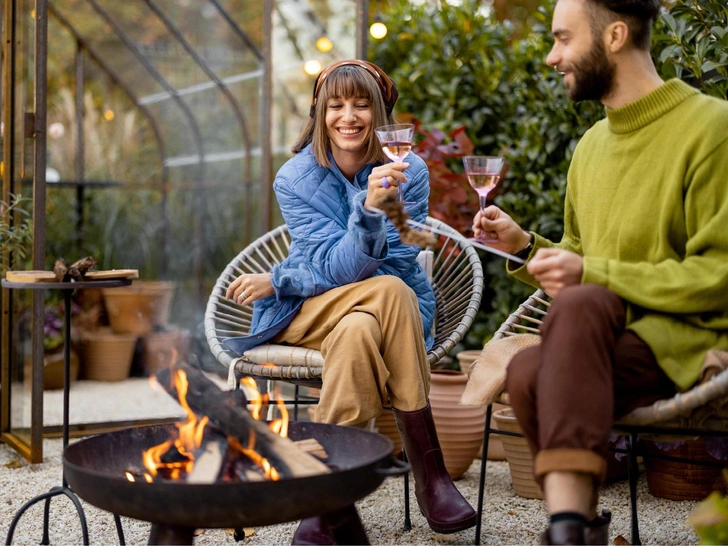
347,81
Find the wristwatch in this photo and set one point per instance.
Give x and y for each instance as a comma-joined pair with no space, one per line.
525,251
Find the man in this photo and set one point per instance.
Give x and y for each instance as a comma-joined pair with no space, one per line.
640,278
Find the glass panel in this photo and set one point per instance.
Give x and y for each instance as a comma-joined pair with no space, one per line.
160,168
20,302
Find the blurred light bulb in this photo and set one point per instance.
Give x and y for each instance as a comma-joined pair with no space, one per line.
378,30
56,130
312,67
324,45
109,115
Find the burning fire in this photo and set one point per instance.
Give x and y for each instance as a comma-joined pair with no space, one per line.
175,458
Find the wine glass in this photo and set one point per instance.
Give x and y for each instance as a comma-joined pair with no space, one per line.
484,172
396,141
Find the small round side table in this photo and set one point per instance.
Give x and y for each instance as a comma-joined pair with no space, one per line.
67,288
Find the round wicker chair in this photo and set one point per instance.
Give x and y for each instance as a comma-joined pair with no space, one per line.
700,411
453,267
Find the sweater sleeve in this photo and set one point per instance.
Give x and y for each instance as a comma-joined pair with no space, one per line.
695,282
336,254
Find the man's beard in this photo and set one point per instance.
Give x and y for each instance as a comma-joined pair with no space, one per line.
593,75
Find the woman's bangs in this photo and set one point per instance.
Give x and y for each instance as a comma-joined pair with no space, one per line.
348,82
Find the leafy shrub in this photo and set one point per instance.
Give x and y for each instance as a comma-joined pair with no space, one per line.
16,231
459,66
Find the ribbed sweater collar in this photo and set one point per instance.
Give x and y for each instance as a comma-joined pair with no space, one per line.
644,111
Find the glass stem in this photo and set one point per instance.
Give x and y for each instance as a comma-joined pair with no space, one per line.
483,202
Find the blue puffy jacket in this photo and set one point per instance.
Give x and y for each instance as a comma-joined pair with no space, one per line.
335,241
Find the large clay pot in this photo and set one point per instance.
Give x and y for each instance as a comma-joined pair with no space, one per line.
459,428
495,446
518,455
138,308
53,367
106,355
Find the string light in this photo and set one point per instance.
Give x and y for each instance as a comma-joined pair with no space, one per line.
324,45
312,67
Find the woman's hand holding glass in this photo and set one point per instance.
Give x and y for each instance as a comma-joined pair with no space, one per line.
383,183
396,141
250,287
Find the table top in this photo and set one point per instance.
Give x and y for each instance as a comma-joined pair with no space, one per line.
67,285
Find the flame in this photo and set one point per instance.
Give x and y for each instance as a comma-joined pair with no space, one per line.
179,451
188,440
129,476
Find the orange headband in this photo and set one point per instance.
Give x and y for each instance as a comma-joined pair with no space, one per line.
386,85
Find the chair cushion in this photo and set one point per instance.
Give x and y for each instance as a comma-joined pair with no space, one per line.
284,355
487,374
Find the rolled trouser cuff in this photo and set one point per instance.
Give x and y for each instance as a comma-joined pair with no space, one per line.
582,461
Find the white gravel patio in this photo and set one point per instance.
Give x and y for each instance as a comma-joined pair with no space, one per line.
509,519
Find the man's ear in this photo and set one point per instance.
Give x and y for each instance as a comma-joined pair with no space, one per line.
616,36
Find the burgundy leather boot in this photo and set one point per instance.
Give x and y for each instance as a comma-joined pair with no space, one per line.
440,502
313,531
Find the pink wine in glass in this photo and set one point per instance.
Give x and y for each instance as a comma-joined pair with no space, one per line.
396,150
483,184
484,173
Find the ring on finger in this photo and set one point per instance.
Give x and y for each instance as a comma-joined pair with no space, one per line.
385,182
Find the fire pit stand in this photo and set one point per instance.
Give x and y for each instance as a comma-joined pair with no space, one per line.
359,462
67,287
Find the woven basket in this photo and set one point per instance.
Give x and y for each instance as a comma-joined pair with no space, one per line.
106,356
518,455
681,481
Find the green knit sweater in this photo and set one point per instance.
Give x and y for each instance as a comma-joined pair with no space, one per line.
647,207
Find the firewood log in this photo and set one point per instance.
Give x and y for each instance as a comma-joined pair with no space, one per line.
205,398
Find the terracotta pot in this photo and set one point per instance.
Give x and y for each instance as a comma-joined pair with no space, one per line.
459,428
518,455
138,308
106,355
495,446
677,480
53,367
386,425
161,349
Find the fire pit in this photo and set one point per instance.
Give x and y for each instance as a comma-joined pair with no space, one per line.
359,461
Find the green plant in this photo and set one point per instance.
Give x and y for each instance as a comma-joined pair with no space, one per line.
451,200
691,42
710,518
457,65
16,231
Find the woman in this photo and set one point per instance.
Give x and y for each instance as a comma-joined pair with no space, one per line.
349,287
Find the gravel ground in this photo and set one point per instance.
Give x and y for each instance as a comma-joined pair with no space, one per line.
508,519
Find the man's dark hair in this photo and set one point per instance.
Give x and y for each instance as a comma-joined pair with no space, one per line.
639,15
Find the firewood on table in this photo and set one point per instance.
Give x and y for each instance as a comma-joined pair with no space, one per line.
78,269
205,398
60,268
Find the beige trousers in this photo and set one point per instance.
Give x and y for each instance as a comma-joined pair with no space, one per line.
370,335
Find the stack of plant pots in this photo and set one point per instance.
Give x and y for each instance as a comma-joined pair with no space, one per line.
134,312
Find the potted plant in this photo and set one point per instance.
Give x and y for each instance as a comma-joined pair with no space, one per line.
16,231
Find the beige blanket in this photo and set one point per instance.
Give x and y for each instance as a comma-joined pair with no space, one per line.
487,374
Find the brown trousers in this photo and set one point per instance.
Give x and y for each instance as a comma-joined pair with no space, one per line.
370,335
587,371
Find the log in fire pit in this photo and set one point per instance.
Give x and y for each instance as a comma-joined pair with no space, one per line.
359,461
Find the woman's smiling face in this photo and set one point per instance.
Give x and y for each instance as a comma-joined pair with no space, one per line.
349,127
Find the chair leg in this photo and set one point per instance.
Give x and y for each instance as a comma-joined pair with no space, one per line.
481,484
407,519
633,475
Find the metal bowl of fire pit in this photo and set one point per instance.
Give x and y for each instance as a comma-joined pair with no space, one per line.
359,460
